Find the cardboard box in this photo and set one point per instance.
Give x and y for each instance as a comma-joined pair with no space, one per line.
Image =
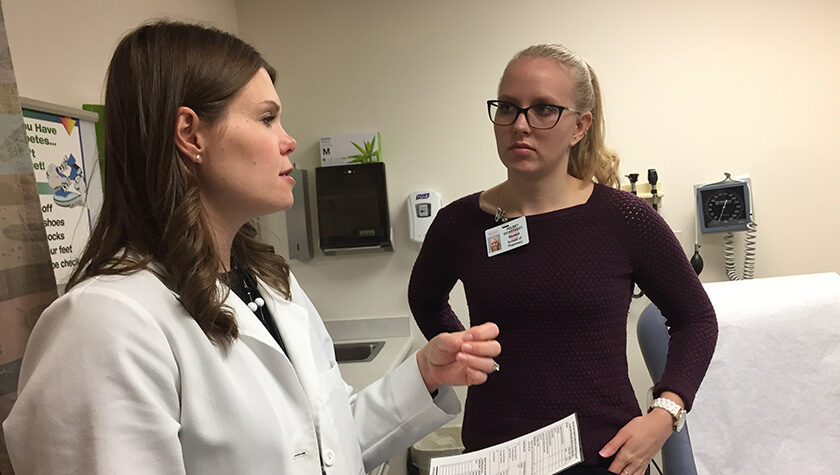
350,149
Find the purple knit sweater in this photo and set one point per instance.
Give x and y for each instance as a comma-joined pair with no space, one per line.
561,304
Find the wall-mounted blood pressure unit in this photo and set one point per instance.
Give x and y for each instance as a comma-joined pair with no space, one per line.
422,208
726,206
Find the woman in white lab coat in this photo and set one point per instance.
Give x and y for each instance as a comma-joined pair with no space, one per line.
150,363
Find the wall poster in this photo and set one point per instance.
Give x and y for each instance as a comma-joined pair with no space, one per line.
64,159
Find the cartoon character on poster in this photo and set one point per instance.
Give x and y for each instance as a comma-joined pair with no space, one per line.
67,182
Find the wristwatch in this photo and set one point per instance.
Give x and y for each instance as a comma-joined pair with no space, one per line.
673,408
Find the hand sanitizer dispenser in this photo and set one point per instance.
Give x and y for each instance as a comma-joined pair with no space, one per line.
422,208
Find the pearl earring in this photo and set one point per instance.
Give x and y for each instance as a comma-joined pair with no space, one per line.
197,157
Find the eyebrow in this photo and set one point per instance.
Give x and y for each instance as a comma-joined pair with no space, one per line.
538,100
275,107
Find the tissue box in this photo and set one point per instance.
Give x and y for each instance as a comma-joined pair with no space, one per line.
350,149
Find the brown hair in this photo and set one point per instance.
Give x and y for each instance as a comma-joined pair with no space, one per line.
590,158
152,217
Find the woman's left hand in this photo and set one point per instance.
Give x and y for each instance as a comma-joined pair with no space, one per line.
460,358
638,441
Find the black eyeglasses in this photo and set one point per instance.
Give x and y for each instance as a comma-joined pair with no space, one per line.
539,116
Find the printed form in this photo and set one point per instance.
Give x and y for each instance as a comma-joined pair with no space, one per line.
543,452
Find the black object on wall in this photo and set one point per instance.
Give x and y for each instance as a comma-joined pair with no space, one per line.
353,208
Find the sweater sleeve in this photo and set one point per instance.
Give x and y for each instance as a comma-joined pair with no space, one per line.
663,272
432,278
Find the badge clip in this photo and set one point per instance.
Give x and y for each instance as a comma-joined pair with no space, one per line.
501,215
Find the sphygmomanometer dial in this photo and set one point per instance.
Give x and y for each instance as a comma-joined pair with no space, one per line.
724,207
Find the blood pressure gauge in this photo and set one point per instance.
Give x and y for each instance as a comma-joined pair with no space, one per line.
724,206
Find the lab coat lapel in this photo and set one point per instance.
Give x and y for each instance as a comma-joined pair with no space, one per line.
249,325
284,366
293,322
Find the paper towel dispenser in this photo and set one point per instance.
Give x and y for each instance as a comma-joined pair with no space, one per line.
353,208
298,223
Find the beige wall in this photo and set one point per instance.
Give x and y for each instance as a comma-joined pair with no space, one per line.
691,89
61,49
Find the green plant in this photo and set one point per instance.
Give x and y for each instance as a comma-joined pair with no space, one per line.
366,154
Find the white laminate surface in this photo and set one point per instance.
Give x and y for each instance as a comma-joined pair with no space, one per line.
394,331
361,374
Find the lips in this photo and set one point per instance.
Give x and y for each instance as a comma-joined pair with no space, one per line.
285,174
521,146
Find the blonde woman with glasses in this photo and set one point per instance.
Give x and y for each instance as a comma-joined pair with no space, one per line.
560,286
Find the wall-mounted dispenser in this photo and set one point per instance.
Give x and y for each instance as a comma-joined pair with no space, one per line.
422,208
298,223
353,208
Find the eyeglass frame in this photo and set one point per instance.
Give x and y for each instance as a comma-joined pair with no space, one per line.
524,110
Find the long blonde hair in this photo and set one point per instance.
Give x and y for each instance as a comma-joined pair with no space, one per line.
590,158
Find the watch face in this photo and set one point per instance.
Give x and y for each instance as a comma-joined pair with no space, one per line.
678,425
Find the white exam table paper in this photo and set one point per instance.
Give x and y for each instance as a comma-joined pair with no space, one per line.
769,401
545,451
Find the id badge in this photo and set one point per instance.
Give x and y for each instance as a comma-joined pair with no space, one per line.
506,236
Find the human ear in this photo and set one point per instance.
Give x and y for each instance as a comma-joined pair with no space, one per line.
582,127
188,140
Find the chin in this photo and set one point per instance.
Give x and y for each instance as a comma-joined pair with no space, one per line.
285,205
280,207
519,165
276,206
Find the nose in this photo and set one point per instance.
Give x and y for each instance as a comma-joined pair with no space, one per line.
520,123
288,144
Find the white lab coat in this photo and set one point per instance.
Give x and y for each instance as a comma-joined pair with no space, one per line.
118,378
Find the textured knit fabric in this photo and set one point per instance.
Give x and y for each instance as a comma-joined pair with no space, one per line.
561,303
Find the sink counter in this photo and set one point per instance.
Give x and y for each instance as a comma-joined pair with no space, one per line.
361,374
394,331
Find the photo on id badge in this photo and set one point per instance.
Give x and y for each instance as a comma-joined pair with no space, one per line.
494,244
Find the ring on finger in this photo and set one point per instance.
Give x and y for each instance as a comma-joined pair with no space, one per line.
494,368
